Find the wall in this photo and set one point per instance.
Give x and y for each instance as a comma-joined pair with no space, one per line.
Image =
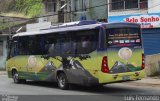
154,6
152,63
38,26
93,13
98,12
4,56
126,12
53,15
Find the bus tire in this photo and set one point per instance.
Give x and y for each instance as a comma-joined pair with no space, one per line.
62,81
15,76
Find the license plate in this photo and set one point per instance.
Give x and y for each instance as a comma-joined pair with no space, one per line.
126,77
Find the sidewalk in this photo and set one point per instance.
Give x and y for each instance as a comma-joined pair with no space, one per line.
2,72
148,81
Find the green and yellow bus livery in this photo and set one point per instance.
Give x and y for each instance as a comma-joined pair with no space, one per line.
87,53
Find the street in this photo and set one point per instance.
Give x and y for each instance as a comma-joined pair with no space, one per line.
45,90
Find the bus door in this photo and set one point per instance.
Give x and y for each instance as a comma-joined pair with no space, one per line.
18,60
28,57
40,66
12,54
25,57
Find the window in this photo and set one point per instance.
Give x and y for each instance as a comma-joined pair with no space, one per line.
143,4
81,5
56,44
72,43
1,48
120,37
85,41
51,6
62,2
32,45
117,4
128,4
14,51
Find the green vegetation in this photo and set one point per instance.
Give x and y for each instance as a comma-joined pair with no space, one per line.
30,8
6,25
18,8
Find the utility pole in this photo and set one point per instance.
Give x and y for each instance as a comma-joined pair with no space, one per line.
107,9
9,28
70,10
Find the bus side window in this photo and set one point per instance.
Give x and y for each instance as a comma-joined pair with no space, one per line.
22,49
64,44
11,54
52,47
66,47
84,45
43,46
22,46
86,41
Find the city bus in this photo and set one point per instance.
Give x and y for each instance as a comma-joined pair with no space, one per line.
85,53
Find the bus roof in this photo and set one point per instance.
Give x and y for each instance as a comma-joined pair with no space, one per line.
75,28
54,30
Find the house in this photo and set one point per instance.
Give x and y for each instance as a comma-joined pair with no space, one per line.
3,50
89,9
55,11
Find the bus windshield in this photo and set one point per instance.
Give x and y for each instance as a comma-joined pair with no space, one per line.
121,37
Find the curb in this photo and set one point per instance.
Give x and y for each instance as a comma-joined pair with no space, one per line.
3,73
150,82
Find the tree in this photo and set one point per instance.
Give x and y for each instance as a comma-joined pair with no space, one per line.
29,7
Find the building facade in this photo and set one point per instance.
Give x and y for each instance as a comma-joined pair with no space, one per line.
88,9
55,11
3,50
144,12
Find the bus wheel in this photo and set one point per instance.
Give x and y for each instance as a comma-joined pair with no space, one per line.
15,76
62,81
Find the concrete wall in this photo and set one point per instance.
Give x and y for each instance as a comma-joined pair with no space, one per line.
98,12
152,63
53,15
4,56
154,6
126,12
38,26
92,13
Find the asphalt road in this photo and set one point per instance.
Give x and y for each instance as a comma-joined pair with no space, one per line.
44,91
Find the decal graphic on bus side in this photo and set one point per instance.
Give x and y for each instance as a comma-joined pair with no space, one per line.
124,60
